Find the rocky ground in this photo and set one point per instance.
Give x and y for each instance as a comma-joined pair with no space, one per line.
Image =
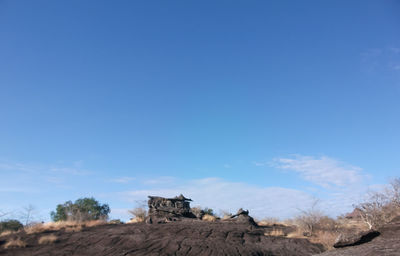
191,238
386,244
176,238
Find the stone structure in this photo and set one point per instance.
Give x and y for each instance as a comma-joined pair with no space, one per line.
168,209
242,216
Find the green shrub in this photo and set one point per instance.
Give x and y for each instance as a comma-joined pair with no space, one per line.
83,209
11,225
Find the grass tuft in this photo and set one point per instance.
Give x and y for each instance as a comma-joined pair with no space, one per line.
15,243
49,239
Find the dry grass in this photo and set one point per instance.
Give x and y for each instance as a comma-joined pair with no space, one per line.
326,238
7,232
93,223
136,220
69,226
269,222
15,243
73,229
49,239
275,232
209,218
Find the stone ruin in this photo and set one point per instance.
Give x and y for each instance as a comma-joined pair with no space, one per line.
168,209
162,210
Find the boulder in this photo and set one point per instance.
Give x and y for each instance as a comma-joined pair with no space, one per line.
344,240
242,217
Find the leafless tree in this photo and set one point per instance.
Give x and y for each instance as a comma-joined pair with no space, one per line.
140,211
394,191
2,214
381,207
27,215
309,219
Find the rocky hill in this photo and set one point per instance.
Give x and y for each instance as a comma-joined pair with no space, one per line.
175,238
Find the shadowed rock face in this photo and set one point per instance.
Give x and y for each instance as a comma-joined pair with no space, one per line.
355,239
187,237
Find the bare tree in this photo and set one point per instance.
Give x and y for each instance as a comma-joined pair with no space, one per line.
309,219
139,212
27,215
381,207
2,214
394,191
372,210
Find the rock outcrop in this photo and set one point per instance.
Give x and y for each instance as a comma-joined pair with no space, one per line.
243,217
344,240
163,210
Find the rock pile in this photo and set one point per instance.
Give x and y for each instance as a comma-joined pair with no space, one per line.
163,210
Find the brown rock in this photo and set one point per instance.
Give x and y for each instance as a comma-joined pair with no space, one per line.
344,240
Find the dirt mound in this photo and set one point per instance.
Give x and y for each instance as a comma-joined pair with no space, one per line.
386,244
175,238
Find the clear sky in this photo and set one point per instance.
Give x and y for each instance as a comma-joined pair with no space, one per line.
263,105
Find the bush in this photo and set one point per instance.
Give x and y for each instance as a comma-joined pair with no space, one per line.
138,213
10,225
209,218
83,209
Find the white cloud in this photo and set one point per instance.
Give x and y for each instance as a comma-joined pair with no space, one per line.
123,179
324,171
18,167
34,168
219,194
70,170
396,67
159,180
260,163
395,50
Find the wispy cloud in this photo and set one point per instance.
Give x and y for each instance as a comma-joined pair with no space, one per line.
123,179
260,163
159,180
381,59
396,67
395,50
324,171
230,196
75,169
70,170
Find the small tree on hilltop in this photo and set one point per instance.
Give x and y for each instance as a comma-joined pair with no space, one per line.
83,209
381,207
11,225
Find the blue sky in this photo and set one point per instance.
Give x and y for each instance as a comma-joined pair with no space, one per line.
257,104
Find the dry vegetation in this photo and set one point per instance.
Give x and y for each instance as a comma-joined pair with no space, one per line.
69,226
208,217
7,232
48,239
15,243
138,214
269,222
381,207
